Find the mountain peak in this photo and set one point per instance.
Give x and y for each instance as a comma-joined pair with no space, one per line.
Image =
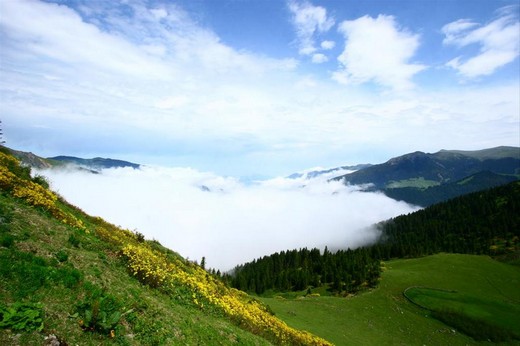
422,170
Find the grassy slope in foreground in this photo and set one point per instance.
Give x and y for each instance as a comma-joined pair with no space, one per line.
99,284
384,317
155,318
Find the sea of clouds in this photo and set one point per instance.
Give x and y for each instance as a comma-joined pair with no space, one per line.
228,222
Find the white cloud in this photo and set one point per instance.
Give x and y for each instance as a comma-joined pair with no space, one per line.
453,30
56,32
150,44
327,44
499,43
159,13
377,50
309,20
163,89
319,58
232,223
138,74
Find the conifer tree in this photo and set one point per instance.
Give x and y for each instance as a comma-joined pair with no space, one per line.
2,142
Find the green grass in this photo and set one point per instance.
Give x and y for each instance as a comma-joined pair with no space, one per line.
501,316
419,183
383,316
68,272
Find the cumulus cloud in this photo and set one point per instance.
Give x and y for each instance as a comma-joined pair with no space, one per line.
308,21
232,222
377,50
141,72
328,44
59,33
319,58
499,43
160,44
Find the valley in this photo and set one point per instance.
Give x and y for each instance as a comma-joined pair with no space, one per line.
51,249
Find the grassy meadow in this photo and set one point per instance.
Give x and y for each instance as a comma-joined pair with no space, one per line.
61,268
383,316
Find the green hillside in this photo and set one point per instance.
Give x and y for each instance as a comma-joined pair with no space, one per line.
383,316
79,280
476,297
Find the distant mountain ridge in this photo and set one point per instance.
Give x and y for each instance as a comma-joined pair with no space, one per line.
434,169
95,163
31,159
411,175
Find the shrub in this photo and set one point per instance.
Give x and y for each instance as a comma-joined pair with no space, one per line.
70,277
6,240
73,241
41,180
99,312
22,316
139,236
62,256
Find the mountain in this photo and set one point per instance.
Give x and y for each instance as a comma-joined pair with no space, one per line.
31,159
439,193
96,163
408,176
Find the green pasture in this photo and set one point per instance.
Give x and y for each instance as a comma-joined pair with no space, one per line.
419,183
500,315
383,316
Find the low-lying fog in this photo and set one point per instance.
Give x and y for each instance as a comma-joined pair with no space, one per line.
200,214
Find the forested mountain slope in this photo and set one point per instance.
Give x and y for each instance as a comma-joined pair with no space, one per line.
486,222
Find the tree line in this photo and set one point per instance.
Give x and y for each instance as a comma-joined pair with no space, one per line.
295,270
485,222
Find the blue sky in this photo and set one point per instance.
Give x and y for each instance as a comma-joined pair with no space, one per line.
248,87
